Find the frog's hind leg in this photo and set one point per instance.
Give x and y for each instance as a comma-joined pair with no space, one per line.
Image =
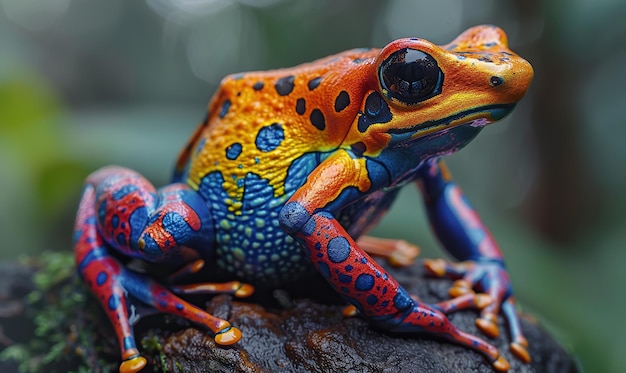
100,272
120,210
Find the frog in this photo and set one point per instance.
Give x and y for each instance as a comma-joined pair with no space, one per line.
287,173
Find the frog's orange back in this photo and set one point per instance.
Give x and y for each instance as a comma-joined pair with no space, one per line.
260,122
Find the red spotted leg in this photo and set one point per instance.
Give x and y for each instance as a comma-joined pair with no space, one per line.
464,235
351,272
120,210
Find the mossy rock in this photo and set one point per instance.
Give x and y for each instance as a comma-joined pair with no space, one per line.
59,327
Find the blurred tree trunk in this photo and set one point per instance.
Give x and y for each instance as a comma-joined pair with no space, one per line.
564,199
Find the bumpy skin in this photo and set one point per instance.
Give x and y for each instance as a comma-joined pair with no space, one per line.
291,166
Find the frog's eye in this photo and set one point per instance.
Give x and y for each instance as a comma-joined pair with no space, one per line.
410,76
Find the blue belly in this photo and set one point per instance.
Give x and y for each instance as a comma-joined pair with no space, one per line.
250,244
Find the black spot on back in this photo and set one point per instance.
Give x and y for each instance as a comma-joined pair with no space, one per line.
284,85
314,83
342,101
300,106
258,86
318,120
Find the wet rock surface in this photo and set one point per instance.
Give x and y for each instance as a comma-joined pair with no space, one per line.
289,333
313,336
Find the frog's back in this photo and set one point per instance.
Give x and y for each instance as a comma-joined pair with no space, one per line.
261,122
264,134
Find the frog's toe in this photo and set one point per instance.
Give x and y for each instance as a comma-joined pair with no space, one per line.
187,269
459,288
482,300
133,364
519,348
236,288
399,253
245,290
501,364
519,344
465,301
228,336
349,311
487,324
436,267
442,268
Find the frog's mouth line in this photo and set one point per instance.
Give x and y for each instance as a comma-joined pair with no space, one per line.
491,113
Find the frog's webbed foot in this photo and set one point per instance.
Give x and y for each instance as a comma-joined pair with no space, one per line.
399,253
491,278
431,319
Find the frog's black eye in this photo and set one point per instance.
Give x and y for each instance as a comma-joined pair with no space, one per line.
410,76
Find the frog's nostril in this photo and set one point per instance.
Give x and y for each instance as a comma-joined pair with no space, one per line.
496,81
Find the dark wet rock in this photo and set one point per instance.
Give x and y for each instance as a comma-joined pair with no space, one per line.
308,336
315,337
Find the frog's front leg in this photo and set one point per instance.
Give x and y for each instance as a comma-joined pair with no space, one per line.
463,234
122,211
308,217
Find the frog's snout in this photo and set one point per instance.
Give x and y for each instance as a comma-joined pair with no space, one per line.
513,80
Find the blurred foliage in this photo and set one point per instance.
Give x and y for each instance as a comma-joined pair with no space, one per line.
85,84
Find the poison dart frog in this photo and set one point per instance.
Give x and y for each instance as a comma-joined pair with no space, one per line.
286,174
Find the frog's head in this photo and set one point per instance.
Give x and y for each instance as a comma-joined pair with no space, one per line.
424,88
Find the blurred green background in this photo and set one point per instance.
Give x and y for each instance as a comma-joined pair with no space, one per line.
84,84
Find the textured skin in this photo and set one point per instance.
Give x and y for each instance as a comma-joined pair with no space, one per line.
291,166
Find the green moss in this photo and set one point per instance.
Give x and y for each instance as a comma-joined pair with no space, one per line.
152,346
60,313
